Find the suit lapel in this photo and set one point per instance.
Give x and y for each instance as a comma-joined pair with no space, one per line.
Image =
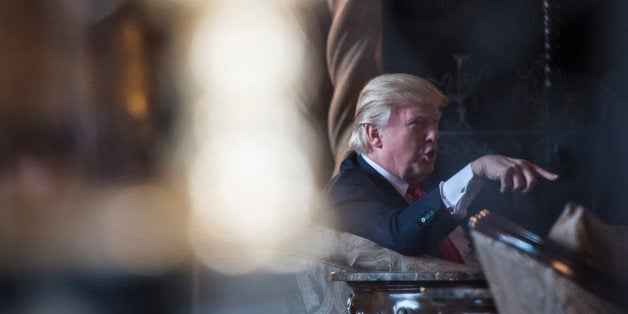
388,189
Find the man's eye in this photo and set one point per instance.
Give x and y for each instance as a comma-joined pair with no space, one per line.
423,124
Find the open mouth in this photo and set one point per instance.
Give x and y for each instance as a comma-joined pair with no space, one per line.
431,154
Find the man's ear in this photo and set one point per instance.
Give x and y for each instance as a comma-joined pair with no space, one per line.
373,135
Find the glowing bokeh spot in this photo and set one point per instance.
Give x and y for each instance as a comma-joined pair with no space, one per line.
249,182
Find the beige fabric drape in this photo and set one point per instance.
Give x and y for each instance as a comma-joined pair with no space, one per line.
354,56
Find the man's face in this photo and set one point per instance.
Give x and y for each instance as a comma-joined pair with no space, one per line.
409,142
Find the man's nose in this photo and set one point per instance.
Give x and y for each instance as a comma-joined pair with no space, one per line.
432,134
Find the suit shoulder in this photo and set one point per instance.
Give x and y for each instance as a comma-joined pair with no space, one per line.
353,177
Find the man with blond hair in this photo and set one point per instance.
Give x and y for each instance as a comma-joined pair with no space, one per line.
394,141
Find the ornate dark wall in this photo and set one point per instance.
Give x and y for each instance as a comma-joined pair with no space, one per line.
539,80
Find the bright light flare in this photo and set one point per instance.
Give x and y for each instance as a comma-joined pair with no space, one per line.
252,184
245,48
249,181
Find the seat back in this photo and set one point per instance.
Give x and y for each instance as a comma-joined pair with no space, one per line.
529,274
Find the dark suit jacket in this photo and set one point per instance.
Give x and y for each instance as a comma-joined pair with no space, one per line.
362,202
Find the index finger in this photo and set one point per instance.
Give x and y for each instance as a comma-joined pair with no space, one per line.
546,174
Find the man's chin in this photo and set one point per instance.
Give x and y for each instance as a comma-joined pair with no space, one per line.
421,175
425,172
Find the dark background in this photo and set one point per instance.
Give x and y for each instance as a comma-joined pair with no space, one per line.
490,58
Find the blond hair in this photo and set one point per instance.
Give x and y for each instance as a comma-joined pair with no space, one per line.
385,93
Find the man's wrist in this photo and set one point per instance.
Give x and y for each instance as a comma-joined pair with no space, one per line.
458,192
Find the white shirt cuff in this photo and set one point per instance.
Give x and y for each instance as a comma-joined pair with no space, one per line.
458,192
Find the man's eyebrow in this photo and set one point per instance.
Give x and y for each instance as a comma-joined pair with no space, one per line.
425,117
422,118
417,118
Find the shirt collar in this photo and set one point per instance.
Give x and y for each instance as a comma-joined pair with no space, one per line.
399,184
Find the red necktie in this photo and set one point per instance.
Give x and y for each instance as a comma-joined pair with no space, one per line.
446,246
415,192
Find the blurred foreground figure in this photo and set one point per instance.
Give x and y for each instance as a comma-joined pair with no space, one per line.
378,193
